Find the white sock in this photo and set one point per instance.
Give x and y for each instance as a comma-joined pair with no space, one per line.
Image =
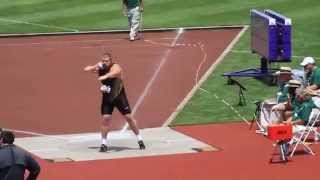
104,141
139,137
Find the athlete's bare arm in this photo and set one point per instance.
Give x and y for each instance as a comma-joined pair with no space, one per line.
115,71
91,68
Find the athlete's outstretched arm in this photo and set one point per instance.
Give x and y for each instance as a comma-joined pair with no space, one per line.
115,71
91,68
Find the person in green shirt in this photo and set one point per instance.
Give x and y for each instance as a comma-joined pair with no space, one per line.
133,9
286,107
312,74
302,106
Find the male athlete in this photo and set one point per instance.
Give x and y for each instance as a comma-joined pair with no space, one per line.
113,95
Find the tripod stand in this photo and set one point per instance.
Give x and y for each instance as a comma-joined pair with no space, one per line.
256,115
242,99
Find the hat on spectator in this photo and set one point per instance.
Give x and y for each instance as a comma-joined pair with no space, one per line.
294,83
283,70
307,60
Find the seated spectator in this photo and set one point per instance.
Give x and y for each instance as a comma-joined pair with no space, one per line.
268,113
302,107
286,107
14,161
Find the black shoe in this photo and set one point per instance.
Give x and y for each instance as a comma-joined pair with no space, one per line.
103,148
141,145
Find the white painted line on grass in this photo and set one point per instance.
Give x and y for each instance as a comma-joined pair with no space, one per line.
204,77
227,104
215,95
37,24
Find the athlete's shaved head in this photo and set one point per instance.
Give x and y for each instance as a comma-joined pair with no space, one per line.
107,56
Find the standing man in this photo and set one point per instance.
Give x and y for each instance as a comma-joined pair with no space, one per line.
113,95
133,9
312,78
312,73
14,161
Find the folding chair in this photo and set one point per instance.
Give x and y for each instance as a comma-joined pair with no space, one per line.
281,134
302,132
264,116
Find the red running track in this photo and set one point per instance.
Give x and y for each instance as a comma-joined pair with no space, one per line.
44,90
244,155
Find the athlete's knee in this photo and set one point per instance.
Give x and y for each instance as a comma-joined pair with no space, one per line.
106,119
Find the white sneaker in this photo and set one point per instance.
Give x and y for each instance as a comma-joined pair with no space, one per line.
316,137
131,36
262,131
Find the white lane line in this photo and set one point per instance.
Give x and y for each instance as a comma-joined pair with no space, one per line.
204,59
35,134
203,78
66,42
122,30
157,43
58,42
45,150
227,104
202,46
154,76
37,24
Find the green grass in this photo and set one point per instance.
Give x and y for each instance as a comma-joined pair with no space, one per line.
204,107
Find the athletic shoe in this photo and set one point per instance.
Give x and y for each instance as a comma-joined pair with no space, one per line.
103,148
317,137
131,36
141,145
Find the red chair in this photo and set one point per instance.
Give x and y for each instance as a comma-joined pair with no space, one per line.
281,134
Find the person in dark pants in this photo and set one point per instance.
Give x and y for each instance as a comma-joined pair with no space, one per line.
14,161
113,96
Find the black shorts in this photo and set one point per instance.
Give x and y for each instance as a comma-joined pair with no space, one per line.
120,102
